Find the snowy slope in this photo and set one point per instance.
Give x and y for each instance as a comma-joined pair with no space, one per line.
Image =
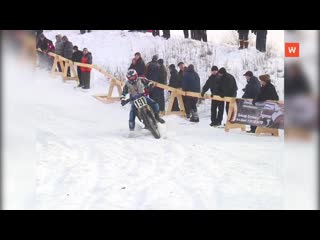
85,160
114,49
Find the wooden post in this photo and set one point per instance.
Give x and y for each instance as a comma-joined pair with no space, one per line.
272,131
232,110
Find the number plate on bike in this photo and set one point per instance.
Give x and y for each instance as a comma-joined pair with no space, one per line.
140,102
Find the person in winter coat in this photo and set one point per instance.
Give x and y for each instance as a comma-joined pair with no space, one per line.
157,94
186,33
166,34
191,83
203,35
152,69
76,57
84,31
133,64
182,70
59,48
251,90
267,91
46,46
261,40
85,72
67,51
243,38
140,66
175,83
228,86
138,86
59,45
156,33
214,84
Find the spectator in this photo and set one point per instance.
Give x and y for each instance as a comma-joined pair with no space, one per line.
46,46
59,48
186,33
203,35
140,66
166,34
158,93
84,31
267,91
67,51
133,64
228,86
156,32
194,34
181,72
152,69
251,90
191,83
243,38
261,39
76,57
214,83
85,72
175,83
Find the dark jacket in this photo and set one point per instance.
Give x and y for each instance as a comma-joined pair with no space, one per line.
228,85
140,67
76,56
46,45
252,88
67,50
268,92
191,81
175,81
163,75
152,71
214,83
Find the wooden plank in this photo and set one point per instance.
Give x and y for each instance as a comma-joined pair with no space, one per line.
181,106
170,104
272,131
232,111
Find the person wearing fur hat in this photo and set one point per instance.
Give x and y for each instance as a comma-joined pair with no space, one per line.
174,82
214,84
267,91
228,85
251,91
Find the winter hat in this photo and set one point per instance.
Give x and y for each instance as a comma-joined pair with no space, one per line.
172,66
64,38
180,63
222,71
248,73
137,53
75,48
190,68
160,61
214,68
155,58
265,78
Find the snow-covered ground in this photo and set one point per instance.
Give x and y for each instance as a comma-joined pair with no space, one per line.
84,158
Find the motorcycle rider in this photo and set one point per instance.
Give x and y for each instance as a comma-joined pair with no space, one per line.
137,87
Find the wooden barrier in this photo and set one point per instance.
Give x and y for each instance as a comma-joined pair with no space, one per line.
175,93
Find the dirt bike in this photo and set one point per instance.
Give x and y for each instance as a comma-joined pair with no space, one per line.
145,114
